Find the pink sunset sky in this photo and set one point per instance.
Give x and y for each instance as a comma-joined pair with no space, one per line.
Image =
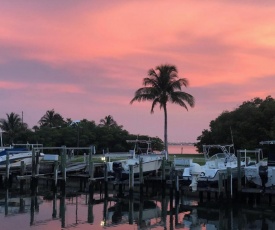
86,59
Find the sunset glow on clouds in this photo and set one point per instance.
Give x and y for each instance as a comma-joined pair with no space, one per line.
85,59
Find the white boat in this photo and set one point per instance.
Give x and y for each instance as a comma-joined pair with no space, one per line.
16,155
262,172
141,154
214,166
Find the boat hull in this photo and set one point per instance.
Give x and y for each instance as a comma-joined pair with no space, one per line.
150,164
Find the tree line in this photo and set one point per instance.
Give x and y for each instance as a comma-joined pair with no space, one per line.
55,131
252,122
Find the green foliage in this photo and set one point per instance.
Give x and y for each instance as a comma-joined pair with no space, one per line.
107,136
246,126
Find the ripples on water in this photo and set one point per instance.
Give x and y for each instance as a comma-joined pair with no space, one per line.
49,212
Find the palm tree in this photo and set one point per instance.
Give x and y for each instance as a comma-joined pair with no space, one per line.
108,121
12,125
163,86
51,119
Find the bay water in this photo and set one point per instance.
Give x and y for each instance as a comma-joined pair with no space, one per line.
74,211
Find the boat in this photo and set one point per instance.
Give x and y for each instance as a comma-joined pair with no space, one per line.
215,165
141,154
16,155
261,173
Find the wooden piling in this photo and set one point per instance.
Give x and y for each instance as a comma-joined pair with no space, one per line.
131,180
91,174
22,173
7,170
141,179
239,187
106,180
63,170
131,210
229,183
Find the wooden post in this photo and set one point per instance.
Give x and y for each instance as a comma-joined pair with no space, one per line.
55,174
106,180
239,171
171,204
22,173
7,169
141,179
131,180
37,154
131,211
90,211
62,211
54,205
91,175
229,181
163,169
63,169
177,187
91,164
7,202
33,178
33,163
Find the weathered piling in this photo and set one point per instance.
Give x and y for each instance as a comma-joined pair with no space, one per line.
141,179
131,180
22,173
229,190
63,170
106,181
7,177
91,173
54,205
131,210
90,210
55,176
34,180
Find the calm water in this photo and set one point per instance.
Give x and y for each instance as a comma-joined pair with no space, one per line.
182,149
57,212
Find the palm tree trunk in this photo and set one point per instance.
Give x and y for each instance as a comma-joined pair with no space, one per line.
165,129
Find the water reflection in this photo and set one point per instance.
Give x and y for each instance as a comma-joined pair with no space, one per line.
80,211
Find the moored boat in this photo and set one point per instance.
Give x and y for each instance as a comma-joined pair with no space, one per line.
15,155
143,158
214,166
262,172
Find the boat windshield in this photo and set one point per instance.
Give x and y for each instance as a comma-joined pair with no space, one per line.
141,146
218,156
217,151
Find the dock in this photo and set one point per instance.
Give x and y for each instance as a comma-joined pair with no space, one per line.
90,174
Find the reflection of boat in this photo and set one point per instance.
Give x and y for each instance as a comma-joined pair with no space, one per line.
214,166
142,153
142,213
262,172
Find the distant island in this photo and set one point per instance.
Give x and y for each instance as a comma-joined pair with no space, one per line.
180,143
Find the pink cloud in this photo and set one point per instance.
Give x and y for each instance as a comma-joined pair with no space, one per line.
94,56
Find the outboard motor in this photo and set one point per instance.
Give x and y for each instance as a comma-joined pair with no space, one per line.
195,171
263,175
